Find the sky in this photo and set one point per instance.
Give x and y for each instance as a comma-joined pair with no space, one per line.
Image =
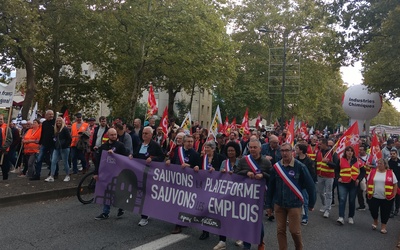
352,76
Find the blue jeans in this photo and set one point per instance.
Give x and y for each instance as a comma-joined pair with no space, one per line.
42,153
75,156
247,245
305,205
350,190
62,153
106,209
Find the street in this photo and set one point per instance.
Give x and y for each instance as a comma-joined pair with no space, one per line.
67,224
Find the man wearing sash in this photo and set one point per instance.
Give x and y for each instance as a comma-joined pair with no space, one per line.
186,156
255,167
288,177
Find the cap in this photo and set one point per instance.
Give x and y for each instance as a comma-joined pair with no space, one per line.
23,122
91,119
390,141
146,123
14,121
78,115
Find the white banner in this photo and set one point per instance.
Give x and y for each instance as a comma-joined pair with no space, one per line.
7,94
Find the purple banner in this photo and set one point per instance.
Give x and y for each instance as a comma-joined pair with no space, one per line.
220,203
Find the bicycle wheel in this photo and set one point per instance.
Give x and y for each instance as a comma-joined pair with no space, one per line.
86,187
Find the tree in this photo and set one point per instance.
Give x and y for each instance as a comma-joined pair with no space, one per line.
317,48
19,41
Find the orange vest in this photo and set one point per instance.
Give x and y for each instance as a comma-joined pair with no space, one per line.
4,135
75,132
389,189
323,169
312,153
347,172
32,147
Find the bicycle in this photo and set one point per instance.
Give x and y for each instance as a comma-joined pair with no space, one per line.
86,187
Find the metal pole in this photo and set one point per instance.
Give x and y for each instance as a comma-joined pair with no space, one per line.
285,36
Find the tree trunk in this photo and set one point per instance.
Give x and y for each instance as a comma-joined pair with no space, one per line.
171,101
56,78
191,96
27,58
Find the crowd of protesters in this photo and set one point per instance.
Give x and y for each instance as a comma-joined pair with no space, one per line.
310,165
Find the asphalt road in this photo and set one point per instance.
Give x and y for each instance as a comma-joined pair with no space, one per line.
67,224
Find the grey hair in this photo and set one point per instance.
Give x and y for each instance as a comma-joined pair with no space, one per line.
256,140
211,144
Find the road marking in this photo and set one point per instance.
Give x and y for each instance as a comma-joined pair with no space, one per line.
162,242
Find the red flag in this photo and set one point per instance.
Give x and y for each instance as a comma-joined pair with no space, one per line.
376,153
151,104
226,126
349,138
66,117
258,121
244,129
303,131
290,133
164,122
233,125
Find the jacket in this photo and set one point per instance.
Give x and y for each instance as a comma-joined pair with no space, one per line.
117,147
153,150
280,194
62,139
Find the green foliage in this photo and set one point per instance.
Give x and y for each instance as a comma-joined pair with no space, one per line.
319,98
388,115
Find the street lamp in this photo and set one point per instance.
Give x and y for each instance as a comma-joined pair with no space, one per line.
285,38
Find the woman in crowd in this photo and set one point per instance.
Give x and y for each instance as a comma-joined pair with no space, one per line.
31,146
381,190
62,142
209,162
349,175
232,151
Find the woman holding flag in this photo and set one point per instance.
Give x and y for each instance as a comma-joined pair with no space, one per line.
209,162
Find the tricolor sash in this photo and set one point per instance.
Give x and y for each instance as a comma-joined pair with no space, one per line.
289,180
228,166
181,155
205,165
252,164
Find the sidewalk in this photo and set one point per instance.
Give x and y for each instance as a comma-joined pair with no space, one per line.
20,190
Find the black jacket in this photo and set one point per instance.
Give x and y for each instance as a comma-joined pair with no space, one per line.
192,157
46,138
62,139
310,164
117,147
153,150
96,130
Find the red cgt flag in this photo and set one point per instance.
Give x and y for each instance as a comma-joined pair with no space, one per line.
258,121
349,138
164,122
290,132
66,117
152,108
303,131
244,128
376,153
